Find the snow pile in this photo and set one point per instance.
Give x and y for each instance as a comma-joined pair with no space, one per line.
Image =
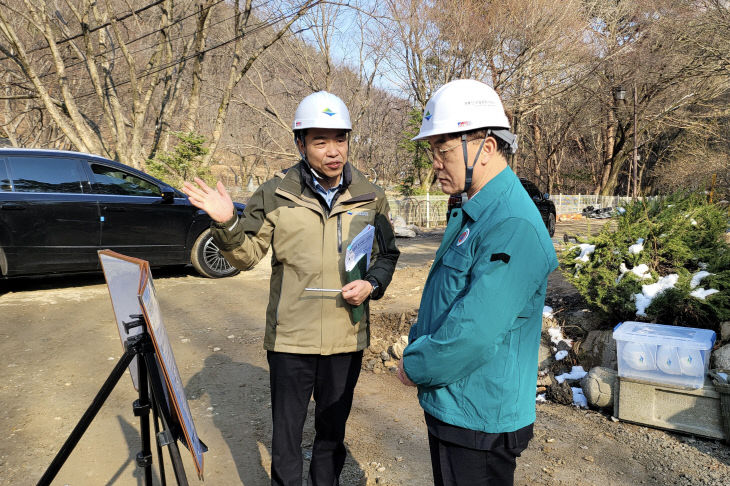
702,293
641,271
576,373
637,248
579,400
556,335
547,311
585,251
650,291
697,278
540,398
561,355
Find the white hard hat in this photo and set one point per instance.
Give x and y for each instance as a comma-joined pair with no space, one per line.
321,110
461,106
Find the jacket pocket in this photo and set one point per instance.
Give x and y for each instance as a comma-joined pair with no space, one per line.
457,261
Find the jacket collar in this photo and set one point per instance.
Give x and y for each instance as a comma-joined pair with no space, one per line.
482,202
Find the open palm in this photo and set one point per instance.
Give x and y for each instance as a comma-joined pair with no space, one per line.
216,202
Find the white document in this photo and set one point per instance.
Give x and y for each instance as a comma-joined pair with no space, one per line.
361,245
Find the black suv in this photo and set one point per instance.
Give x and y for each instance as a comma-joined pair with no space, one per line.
543,202
58,208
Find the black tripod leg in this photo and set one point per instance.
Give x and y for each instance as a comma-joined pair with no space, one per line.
141,409
158,398
86,419
160,459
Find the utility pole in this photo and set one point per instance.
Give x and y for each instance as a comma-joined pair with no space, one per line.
635,158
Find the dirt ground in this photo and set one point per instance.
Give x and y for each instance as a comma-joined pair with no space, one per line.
58,343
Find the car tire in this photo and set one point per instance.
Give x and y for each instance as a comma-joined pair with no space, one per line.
551,224
208,260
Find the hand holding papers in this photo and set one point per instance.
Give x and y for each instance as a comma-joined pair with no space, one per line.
357,261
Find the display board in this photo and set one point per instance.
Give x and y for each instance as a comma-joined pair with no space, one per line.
132,292
123,276
178,400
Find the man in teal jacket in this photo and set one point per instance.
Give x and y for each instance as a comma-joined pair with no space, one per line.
473,351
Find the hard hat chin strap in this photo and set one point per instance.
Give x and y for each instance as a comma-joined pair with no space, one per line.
470,169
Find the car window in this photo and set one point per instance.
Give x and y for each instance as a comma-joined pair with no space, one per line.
111,180
4,178
46,174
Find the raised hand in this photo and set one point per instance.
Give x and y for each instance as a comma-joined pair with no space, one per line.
216,202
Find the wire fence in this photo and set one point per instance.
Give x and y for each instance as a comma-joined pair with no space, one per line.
429,211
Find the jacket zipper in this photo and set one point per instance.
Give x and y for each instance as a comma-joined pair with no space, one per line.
339,233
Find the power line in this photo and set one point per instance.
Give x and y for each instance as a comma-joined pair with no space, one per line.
254,29
98,27
144,36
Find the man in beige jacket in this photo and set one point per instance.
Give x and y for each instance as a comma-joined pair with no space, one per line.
308,214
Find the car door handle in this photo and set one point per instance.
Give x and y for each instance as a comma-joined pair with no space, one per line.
114,209
12,207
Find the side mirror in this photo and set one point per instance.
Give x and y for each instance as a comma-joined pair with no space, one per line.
168,194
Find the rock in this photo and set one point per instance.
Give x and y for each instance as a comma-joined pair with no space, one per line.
370,364
583,318
544,356
721,358
597,349
564,346
401,229
725,331
545,380
384,356
390,364
560,393
376,346
599,386
396,349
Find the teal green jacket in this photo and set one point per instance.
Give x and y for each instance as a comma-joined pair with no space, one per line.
473,350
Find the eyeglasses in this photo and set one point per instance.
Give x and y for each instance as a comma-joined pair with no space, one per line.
441,151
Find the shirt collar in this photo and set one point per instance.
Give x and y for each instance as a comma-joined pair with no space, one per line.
319,186
487,195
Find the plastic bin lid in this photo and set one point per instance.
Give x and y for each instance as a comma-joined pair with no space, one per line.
643,332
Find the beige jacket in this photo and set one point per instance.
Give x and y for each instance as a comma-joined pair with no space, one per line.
308,243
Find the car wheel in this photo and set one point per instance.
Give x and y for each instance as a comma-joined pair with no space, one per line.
551,224
208,260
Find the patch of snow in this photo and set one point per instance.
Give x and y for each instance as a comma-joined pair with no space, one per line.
723,375
579,400
585,251
561,355
638,247
547,311
540,398
556,335
702,293
693,222
697,278
576,373
650,291
620,210
641,271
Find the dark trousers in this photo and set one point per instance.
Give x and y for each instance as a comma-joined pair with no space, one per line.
293,378
459,465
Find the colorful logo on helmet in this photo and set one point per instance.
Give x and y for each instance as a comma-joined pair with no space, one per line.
462,237
463,124
329,112
298,124
428,115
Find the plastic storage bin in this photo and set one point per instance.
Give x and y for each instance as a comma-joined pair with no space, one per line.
658,353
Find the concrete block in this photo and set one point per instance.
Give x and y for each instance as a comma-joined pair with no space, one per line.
694,411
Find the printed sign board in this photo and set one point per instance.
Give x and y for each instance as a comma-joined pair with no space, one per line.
132,292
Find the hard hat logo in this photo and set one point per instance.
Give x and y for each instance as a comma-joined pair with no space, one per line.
463,124
428,115
329,112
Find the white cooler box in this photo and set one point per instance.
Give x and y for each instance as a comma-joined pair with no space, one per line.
658,353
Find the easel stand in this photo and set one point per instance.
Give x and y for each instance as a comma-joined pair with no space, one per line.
142,347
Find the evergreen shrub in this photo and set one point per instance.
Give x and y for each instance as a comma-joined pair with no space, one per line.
680,234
